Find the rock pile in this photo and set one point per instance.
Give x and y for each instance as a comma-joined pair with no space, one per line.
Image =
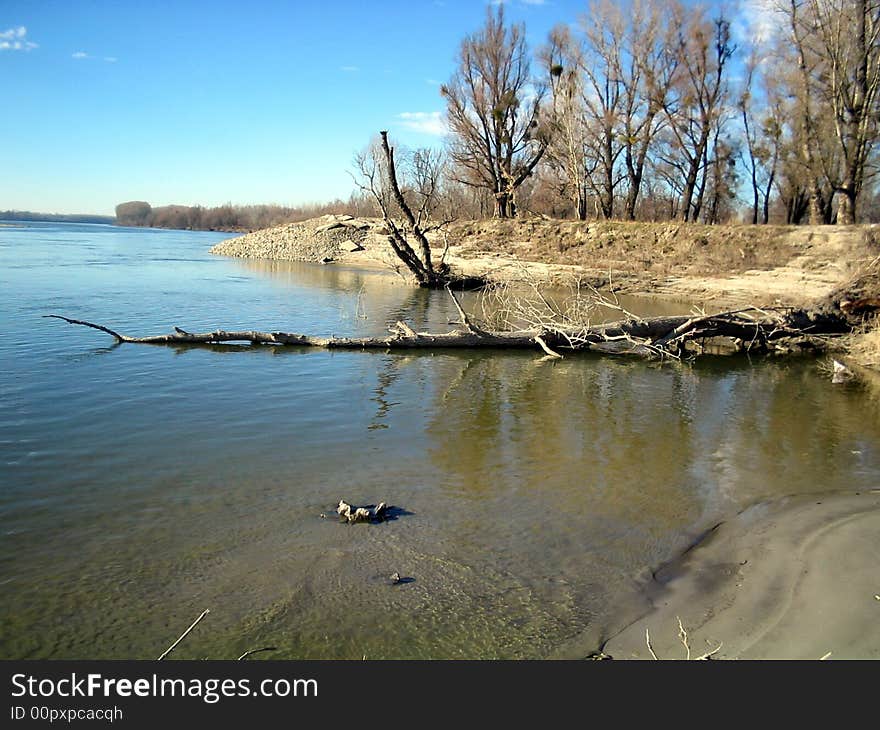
315,240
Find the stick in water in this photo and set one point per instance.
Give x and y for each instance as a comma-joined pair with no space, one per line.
183,635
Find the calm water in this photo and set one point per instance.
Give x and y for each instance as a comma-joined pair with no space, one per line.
141,484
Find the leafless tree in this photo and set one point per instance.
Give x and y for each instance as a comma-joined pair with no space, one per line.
762,129
847,36
647,72
494,112
568,151
406,203
696,106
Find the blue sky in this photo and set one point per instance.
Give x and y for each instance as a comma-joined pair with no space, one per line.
207,102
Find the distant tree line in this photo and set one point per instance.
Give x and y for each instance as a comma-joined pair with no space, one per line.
649,110
228,217
27,215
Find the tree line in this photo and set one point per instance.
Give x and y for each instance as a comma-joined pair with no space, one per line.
650,110
229,217
640,110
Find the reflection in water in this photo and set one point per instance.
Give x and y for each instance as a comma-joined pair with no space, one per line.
145,485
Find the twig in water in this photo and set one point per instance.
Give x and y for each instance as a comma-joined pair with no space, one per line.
181,637
254,651
683,635
546,348
648,642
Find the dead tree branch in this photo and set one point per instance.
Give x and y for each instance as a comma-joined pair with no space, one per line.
780,330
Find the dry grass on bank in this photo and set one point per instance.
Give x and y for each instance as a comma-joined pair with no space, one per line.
659,249
865,348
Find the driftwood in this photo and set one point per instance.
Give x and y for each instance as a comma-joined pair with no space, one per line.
361,514
750,329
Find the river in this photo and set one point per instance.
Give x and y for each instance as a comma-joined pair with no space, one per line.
144,484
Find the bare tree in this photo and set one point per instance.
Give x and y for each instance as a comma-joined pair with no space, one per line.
604,32
695,107
493,110
809,66
406,203
568,150
762,128
847,34
647,72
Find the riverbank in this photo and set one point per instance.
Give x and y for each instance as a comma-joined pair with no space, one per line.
708,265
791,579
713,268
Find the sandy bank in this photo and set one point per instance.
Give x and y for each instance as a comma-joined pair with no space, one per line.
712,266
792,579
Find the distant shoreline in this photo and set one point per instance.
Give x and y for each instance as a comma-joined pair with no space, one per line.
19,216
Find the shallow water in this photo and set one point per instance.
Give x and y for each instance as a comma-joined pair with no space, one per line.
144,484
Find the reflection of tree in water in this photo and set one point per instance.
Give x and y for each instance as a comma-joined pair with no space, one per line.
787,431
386,377
571,439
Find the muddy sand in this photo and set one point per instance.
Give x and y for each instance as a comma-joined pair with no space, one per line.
791,579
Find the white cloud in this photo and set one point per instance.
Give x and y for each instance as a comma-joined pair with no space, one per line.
79,55
349,69
424,122
13,33
15,39
757,20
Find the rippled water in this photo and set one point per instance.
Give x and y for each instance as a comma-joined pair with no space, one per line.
143,484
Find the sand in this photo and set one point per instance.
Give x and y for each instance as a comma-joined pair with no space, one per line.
797,578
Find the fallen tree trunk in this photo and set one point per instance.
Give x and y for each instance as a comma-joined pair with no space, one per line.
744,330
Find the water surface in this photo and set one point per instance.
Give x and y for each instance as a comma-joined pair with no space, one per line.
143,484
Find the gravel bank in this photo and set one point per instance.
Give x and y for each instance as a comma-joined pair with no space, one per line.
316,240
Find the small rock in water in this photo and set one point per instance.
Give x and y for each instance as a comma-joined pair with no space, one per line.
841,373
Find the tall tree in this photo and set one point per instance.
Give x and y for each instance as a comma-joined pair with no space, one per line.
648,69
762,128
848,37
695,108
568,151
810,66
604,30
493,110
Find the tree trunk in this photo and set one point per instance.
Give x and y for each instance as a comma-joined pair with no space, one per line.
503,205
846,208
581,206
766,211
749,329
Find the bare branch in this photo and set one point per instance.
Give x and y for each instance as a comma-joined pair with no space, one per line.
206,611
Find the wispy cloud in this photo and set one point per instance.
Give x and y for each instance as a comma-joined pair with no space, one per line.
15,39
757,21
424,122
349,69
80,55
